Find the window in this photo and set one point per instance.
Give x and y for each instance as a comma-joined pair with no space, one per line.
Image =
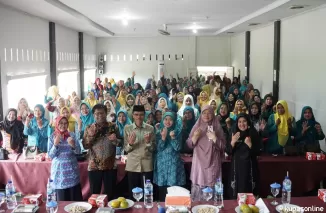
31,88
67,83
89,79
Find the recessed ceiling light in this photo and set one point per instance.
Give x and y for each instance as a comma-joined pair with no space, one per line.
194,31
253,24
297,7
125,22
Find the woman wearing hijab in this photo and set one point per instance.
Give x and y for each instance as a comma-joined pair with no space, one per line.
168,165
12,136
111,111
91,100
191,91
244,147
188,101
203,100
267,107
254,115
37,129
281,126
122,120
23,110
309,131
122,98
63,145
216,96
180,98
189,120
212,103
239,108
149,118
231,101
208,142
158,116
223,116
72,124
130,102
75,107
86,118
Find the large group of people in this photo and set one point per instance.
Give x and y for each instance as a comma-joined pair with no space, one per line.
205,117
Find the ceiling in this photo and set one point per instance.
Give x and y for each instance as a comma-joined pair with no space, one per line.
145,17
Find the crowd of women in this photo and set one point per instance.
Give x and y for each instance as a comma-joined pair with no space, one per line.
153,125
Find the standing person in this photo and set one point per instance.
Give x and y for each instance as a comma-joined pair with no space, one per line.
244,147
139,143
208,141
11,135
63,146
168,167
101,139
37,129
23,110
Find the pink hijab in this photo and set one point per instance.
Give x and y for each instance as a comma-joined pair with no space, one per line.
207,150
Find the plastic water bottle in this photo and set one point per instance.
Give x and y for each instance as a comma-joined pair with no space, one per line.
148,198
286,190
50,192
218,196
11,198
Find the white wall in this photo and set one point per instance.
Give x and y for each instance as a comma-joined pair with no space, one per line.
204,51
302,68
261,58
213,51
238,54
30,37
90,57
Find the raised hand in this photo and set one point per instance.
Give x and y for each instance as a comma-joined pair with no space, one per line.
164,133
318,128
147,137
91,130
28,120
262,125
112,137
278,121
248,142
57,139
211,136
71,142
235,138
132,138
172,134
305,127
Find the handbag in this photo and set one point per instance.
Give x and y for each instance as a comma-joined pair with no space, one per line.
30,152
4,154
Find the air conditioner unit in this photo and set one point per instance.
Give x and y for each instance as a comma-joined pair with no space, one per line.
101,64
160,69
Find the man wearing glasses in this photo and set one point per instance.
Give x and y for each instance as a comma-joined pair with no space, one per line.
139,143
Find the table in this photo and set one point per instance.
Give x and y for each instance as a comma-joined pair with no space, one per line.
229,205
31,176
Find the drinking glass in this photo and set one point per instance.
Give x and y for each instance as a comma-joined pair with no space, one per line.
207,193
275,189
138,194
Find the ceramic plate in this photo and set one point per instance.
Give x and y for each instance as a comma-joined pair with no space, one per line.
290,208
85,205
196,208
130,204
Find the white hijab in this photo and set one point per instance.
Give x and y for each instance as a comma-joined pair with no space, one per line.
112,111
180,112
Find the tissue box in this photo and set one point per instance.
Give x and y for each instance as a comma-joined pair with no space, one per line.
178,201
246,198
97,200
310,156
322,194
32,198
124,159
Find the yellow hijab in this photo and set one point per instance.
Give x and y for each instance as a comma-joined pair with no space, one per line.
283,129
91,101
179,105
202,103
71,119
122,98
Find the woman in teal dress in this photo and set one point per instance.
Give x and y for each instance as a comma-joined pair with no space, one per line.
168,165
309,131
37,129
281,126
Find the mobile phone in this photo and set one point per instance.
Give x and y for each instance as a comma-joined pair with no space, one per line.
210,129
